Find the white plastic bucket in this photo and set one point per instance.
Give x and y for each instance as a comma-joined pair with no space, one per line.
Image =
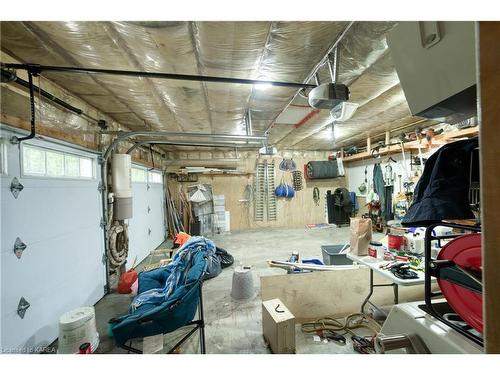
77,327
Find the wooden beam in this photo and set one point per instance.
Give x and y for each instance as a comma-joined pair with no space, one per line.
75,136
437,142
489,118
468,132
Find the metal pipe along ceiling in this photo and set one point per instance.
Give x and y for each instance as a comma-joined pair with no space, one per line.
186,134
127,135
35,68
194,143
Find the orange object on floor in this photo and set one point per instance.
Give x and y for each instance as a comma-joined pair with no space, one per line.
126,281
181,238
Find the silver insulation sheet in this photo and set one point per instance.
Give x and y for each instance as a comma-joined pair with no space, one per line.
366,66
285,51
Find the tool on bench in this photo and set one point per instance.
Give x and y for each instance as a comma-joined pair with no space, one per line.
403,271
387,265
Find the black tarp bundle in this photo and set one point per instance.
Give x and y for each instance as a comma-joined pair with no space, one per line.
442,193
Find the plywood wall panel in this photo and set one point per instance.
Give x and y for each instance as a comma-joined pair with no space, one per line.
295,212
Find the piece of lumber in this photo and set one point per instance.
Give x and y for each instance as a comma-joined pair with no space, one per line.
489,74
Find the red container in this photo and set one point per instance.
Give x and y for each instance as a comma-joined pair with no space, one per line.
395,242
85,348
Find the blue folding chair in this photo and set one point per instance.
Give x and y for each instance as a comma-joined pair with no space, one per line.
177,311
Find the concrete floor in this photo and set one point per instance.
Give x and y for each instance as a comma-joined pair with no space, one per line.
233,327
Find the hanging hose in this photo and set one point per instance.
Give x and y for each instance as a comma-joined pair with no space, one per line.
117,244
117,237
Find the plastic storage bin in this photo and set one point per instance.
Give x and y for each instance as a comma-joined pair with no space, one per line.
332,257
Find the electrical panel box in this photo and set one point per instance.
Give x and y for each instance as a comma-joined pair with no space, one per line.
278,326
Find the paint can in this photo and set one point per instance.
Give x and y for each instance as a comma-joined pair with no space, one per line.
77,327
376,250
395,242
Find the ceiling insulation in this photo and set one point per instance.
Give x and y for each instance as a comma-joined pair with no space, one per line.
276,51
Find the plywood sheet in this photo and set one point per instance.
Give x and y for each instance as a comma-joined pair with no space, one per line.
315,295
296,212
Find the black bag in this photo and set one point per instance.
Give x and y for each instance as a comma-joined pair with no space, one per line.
214,267
442,193
226,259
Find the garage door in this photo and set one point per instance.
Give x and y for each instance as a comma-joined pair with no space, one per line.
147,226
57,216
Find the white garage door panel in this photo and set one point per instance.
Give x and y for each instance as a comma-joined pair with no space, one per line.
61,269
142,242
67,207
39,326
44,259
157,222
138,225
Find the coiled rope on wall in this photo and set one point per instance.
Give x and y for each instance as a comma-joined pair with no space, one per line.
117,244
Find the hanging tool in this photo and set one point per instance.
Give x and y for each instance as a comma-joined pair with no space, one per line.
287,165
418,133
316,196
297,180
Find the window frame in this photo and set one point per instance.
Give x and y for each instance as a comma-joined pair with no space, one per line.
155,172
64,153
139,168
147,171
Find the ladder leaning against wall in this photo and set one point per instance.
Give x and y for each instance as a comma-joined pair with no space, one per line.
265,200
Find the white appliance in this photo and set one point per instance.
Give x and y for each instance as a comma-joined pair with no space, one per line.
328,96
121,170
409,329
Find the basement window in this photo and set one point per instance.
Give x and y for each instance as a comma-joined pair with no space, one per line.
139,175
42,162
155,178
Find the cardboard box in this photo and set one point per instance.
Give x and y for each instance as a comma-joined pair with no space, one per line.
278,327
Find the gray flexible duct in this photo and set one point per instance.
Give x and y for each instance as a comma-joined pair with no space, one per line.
117,244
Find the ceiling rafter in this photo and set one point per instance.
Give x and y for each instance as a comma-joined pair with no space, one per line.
318,129
361,105
261,59
51,45
193,30
122,45
315,69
